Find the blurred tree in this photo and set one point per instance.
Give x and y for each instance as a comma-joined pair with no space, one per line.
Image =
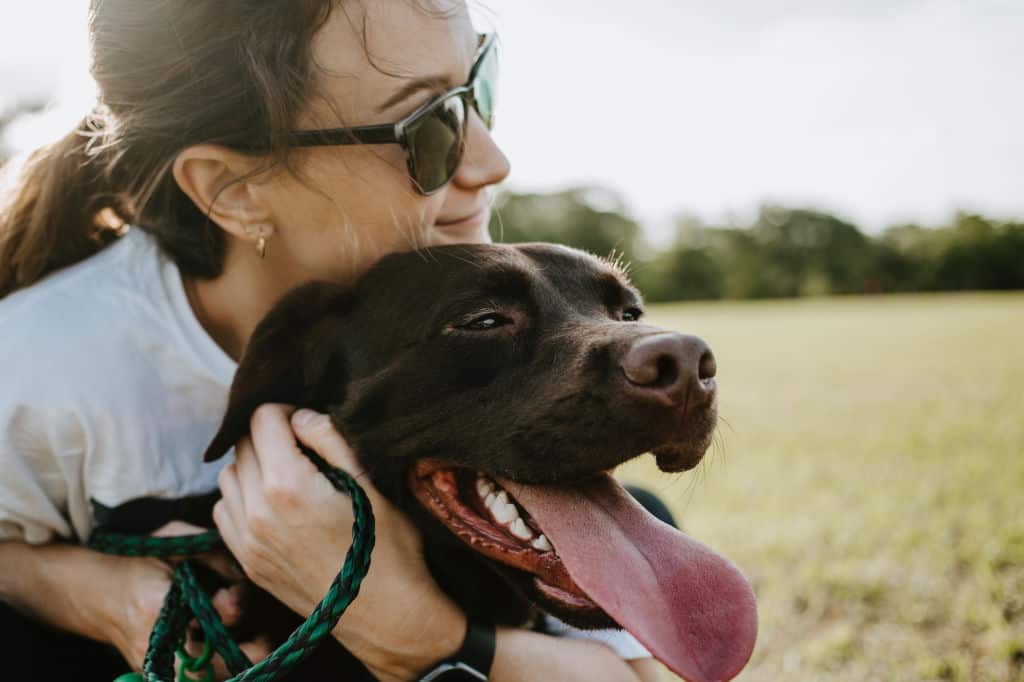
973,252
594,219
689,269
907,257
784,252
807,251
691,274
982,254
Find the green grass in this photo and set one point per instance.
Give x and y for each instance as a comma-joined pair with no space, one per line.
869,479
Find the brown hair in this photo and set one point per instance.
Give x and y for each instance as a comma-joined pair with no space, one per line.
171,74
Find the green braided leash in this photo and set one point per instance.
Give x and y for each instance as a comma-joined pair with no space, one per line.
186,599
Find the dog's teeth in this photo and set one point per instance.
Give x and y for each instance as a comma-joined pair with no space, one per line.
483,487
520,529
502,509
542,544
504,513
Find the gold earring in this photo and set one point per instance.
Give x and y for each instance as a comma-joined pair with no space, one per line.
262,232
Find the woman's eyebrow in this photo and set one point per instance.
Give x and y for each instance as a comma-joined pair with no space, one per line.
434,83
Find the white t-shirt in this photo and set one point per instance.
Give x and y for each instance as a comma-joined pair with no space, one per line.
110,392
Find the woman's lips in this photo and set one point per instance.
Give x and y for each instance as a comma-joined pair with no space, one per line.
468,224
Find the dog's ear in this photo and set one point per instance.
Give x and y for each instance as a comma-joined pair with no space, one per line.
290,352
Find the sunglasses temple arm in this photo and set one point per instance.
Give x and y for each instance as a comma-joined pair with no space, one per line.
380,134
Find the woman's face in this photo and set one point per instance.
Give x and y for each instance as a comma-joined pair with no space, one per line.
349,205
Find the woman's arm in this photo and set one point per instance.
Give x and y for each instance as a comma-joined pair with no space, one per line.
109,599
524,655
276,506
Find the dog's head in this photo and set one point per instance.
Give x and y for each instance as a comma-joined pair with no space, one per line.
487,390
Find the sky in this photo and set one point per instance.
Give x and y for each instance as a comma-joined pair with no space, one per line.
882,111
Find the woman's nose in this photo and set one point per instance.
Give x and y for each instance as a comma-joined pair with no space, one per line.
483,163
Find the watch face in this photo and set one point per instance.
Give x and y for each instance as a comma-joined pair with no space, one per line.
453,672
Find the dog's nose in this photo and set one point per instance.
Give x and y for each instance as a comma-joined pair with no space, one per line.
668,366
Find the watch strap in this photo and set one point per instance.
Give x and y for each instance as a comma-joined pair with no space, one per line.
474,657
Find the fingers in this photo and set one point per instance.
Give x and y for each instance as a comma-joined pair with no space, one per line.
222,564
178,528
236,527
274,447
316,431
229,511
247,475
227,602
175,529
230,519
273,439
255,651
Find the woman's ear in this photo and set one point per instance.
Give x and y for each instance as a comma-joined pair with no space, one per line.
220,181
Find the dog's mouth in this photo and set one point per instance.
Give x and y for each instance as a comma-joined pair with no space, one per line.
485,516
593,550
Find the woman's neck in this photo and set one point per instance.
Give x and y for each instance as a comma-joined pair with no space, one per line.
230,306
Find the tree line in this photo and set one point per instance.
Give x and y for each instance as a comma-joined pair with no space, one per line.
782,252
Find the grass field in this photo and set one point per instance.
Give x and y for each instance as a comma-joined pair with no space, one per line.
869,480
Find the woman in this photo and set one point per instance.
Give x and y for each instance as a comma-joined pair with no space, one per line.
117,351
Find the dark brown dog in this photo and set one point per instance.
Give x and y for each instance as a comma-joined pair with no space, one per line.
459,371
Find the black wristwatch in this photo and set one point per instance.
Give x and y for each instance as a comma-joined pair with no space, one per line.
472,662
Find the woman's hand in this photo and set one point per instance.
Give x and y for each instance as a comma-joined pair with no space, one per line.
290,529
106,598
144,582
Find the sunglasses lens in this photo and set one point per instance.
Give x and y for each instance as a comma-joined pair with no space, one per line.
435,143
484,86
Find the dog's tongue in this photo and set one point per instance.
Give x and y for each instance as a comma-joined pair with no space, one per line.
690,607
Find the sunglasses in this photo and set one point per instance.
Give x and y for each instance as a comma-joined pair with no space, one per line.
433,136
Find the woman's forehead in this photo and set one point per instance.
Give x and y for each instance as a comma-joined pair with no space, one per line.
369,52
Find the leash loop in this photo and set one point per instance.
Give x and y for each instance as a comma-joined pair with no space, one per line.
186,599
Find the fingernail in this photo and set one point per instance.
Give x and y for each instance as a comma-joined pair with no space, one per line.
304,417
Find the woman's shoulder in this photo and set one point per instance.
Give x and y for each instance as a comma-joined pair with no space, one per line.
85,286
78,320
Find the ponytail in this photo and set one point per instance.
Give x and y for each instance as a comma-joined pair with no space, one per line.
169,75
61,206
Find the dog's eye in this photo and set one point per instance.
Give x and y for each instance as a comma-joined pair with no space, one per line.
631,314
486,322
